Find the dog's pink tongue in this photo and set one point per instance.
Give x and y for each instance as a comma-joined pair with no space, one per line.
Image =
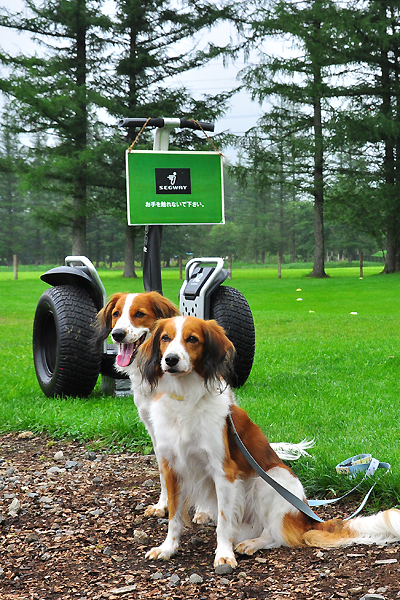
125,354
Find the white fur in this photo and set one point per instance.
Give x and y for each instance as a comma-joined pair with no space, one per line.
142,401
188,422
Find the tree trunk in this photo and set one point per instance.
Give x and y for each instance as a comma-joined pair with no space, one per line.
80,184
319,250
130,236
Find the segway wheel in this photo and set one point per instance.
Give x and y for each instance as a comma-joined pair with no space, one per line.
230,309
65,362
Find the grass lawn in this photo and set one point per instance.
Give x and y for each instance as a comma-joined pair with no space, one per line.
320,372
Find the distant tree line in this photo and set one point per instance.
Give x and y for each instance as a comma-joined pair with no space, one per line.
317,176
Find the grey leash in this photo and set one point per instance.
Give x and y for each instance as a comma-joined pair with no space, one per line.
351,465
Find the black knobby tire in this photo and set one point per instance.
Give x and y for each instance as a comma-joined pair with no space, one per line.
230,309
66,363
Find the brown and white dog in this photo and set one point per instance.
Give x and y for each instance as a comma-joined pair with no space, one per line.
186,364
130,318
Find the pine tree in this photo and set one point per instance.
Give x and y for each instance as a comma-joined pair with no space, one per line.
57,94
314,27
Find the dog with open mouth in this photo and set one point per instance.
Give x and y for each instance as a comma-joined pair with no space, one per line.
130,318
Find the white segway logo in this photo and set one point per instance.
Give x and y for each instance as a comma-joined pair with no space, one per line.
173,181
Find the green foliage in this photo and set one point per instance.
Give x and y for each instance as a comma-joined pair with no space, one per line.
326,374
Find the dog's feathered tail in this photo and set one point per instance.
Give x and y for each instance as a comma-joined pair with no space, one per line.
382,528
287,451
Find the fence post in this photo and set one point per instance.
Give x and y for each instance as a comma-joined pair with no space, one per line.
15,265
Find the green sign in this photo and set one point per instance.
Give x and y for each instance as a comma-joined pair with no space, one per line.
174,188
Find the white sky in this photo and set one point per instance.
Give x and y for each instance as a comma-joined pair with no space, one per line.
212,78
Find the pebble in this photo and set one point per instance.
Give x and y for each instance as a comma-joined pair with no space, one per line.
139,535
46,500
195,579
224,581
156,576
96,512
90,455
14,508
45,556
174,580
10,471
97,480
355,591
71,464
107,551
59,455
32,537
224,569
55,471
149,483
140,507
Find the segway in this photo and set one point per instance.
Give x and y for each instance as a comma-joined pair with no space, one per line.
66,361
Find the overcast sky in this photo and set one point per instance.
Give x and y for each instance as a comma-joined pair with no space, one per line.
213,78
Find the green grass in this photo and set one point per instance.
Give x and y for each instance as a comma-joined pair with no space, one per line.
327,374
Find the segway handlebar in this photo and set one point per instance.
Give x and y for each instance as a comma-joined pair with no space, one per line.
160,122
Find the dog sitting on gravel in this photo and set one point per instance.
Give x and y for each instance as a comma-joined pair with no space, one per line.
186,366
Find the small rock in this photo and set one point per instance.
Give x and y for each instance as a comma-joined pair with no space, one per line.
71,464
45,556
123,590
59,456
55,471
45,500
14,508
97,480
355,591
139,535
156,576
174,580
32,537
224,569
319,555
149,483
224,581
96,513
32,495
162,521
139,507
10,471
196,540
26,435
242,575
107,551
195,579
90,455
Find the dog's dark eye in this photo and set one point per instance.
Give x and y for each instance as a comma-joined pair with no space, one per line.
165,338
139,314
192,339
115,314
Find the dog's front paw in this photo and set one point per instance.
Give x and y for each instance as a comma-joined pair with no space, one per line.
155,510
202,518
228,559
160,553
248,547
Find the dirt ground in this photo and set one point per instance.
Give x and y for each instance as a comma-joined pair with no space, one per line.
77,530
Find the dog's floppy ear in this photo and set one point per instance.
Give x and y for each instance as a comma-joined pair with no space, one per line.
149,357
103,321
163,308
218,354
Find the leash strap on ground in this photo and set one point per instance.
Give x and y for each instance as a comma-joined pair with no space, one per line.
291,498
361,462
351,466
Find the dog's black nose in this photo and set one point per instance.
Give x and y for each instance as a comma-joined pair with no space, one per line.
118,335
172,360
